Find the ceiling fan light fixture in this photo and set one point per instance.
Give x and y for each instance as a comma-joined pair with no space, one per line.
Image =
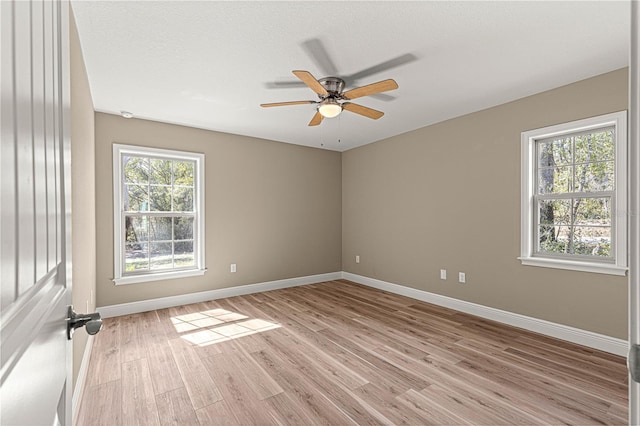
330,108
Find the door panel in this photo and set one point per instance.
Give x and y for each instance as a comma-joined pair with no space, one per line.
35,355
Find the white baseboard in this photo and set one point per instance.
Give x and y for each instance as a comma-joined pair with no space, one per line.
185,299
582,337
81,380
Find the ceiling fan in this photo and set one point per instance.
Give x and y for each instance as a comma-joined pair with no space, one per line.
333,98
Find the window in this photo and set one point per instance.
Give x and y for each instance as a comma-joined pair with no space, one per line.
158,214
574,195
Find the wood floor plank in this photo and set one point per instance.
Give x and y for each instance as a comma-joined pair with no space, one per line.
285,338
105,356
305,394
288,412
570,363
514,400
201,388
165,375
131,343
387,404
379,370
150,329
563,402
464,406
175,409
236,391
102,405
138,399
590,390
431,412
259,381
341,353
435,347
218,413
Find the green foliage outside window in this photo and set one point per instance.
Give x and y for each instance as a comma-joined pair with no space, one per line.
575,183
158,198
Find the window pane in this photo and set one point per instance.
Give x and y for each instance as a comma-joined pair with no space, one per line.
160,198
594,177
553,239
184,254
135,229
554,153
555,180
160,256
156,186
183,199
554,216
135,198
183,173
594,147
183,228
136,257
593,211
160,171
592,241
136,169
554,212
160,228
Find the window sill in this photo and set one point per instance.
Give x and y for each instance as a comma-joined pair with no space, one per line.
594,267
134,279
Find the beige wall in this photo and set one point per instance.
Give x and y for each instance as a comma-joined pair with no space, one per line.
83,223
448,196
444,196
274,209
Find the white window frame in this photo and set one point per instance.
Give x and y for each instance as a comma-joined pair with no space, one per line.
120,150
618,220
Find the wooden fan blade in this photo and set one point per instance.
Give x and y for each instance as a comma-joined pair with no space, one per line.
311,81
286,103
317,119
363,110
371,89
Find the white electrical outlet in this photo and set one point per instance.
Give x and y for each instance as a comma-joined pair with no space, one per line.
443,274
462,277
357,259
233,268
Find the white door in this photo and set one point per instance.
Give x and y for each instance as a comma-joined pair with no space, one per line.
35,386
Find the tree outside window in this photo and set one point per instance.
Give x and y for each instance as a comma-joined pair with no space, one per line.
159,215
575,186
574,195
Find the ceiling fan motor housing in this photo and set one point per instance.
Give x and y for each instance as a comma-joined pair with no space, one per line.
333,85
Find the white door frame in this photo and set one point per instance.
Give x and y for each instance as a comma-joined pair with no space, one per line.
634,203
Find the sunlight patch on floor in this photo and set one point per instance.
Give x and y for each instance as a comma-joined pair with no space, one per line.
218,325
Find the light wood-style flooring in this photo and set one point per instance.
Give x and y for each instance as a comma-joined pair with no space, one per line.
339,353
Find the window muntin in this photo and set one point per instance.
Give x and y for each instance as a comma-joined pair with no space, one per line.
575,184
159,213
574,195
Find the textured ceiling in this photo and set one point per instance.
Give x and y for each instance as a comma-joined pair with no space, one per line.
210,64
